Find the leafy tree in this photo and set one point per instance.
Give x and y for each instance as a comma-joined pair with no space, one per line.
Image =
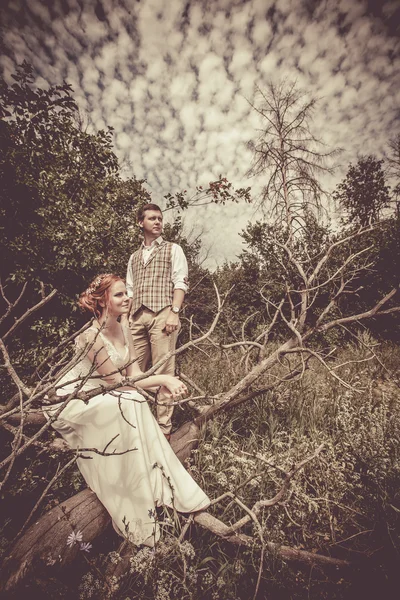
275,274
382,264
66,214
364,193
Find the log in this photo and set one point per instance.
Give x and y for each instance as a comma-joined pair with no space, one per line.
219,529
35,419
44,545
207,521
185,439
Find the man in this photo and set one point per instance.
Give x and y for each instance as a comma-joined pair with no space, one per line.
156,280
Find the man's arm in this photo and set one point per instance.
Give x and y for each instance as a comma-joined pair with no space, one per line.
180,281
129,278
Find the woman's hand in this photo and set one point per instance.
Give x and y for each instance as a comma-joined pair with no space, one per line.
172,388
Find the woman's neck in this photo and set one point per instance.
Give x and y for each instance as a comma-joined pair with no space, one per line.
108,323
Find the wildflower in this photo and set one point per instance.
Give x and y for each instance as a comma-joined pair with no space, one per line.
207,579
187,550
222,479
141,562
114,557
74,538
85,546
238,567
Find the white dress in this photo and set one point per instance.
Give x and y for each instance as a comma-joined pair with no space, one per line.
129,485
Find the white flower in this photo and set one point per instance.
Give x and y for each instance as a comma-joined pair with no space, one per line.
74,538
85,546
187,549
222,479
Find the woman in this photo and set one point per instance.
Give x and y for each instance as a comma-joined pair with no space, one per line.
129,484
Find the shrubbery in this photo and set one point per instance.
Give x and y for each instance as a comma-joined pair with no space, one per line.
344,504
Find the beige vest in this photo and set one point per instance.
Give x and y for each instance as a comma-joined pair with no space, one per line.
152,282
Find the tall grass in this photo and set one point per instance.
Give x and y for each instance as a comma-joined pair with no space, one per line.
345,503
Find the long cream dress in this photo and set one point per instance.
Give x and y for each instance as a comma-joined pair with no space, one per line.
129,485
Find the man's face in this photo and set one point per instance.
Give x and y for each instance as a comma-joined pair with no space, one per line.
152,223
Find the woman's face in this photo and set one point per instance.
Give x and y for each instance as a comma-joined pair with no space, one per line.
118,301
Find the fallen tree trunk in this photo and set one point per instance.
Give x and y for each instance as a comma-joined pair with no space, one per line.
44,545
219,528
185,439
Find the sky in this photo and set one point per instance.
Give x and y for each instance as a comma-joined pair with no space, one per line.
176,80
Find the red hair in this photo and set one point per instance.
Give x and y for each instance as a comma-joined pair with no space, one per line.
97,293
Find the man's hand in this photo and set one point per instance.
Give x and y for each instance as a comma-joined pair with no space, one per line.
172,322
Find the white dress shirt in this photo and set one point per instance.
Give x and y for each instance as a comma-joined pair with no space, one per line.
179,266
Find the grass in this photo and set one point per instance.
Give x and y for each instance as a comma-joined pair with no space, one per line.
345,503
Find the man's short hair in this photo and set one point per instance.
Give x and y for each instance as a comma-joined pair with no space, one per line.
142,210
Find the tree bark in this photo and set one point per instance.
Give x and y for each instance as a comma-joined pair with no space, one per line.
44,545
219,528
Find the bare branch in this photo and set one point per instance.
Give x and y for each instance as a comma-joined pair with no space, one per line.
341,242
324,363
10,305
278,496
364,315
11,371
29,312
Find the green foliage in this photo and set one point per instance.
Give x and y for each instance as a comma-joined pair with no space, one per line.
347,500
380,276
220,191
364,193
393,161
66,214
344,503
263,274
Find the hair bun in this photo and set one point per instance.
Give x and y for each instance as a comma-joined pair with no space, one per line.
95,297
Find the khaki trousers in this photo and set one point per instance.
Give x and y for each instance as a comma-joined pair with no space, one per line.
152,343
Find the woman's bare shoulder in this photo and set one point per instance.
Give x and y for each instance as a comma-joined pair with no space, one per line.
89,336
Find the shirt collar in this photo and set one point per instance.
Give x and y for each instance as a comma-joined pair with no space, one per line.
154,243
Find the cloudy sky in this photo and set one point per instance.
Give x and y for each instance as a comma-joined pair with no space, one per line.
174,78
